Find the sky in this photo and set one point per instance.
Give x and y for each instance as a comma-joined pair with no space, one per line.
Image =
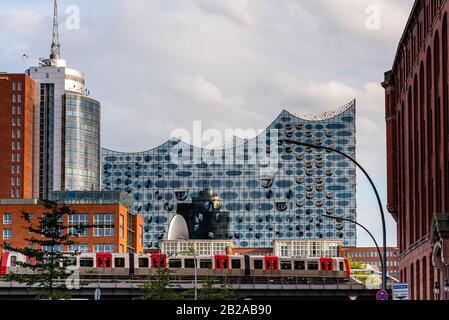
159,65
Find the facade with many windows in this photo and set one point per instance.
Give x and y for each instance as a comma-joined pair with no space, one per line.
112,226
417,116
267,189
16,135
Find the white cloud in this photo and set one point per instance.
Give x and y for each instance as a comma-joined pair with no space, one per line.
197,88
20,21
236,10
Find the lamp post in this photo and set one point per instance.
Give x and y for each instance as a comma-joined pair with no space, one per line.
193,252
436,290
339,219
379,202
446,288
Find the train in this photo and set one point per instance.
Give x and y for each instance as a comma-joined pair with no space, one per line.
134,264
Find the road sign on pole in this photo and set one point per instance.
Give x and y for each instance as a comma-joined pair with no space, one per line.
382,295
400,291
97,295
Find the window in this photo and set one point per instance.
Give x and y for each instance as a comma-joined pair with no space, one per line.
342,266
69,262
19,98
13,157
55,248
175,263
13,261
19,122
7,234
103,248
312,265
13,169
18,169
78,225
13,111
119,262
206,264
189,263
258,264
14,98
18,157
18,181
19,134
143,263
13,134
236,264
87,262
122,226
13,86
17,193
19,86
300,265
13,122
7,218
286,265
104,225
18,145
13,181
81,248
141,235
12,194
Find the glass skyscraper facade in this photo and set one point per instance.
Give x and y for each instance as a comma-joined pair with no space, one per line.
267,189
81,143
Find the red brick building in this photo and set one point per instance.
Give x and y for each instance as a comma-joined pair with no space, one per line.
370,255
417,115
16,135
116,229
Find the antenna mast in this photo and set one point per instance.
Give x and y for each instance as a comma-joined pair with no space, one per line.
55,45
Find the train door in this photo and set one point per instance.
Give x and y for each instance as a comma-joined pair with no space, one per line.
326,264
159,261
104,260
222,262
271,263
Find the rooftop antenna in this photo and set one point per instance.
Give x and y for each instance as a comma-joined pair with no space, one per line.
55,44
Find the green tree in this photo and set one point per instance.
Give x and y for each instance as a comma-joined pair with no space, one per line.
160,287
211,291
48,235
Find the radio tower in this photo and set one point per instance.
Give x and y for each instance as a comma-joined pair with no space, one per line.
55,45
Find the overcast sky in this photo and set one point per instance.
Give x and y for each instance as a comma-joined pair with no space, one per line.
159,65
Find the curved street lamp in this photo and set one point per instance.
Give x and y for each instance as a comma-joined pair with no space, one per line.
339,219
384,228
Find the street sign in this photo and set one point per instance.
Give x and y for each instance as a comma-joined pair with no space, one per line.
97,295
400,291
382,295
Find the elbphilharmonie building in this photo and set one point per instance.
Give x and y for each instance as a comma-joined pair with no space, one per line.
260,189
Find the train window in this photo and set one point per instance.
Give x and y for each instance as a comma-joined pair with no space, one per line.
119,262
236,264
206,264
286,265
312,265
300,265
108,262
258,264
143,263
87,262
342,266
69,262
175,263
13,261
189,263
100,263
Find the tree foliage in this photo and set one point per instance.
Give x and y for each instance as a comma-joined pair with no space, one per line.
45,269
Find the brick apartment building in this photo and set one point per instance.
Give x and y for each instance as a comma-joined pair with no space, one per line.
16,135
417,116
115,227
371,256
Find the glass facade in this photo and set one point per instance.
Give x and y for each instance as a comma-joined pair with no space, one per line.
269,190
82,143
